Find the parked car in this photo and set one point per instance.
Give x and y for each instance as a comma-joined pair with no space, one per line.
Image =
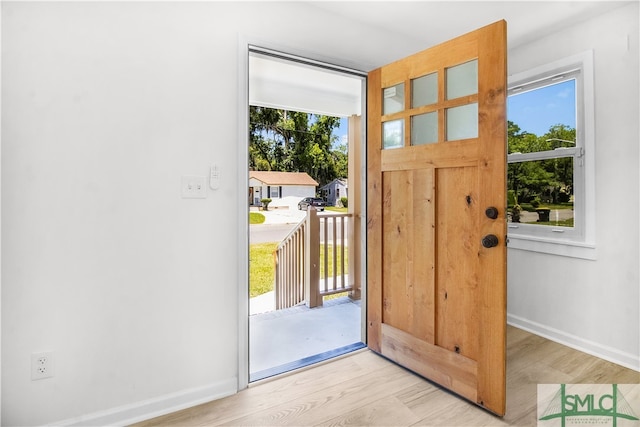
316,202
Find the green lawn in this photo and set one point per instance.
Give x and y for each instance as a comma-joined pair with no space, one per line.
564,223
256,218
334,209
262,266
338,260
559,206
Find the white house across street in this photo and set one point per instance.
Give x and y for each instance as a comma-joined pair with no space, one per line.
278,185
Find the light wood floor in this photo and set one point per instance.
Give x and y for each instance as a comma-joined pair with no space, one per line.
365,389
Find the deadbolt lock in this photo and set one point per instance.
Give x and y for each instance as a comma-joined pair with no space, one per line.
491,212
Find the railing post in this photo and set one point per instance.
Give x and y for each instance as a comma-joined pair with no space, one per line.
355,207
312,259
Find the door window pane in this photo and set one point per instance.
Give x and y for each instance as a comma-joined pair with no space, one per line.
393,134
462,122
541,192
393,99
424,90
462,80
424,128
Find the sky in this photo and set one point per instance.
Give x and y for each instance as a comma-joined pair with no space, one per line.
342,130
537,110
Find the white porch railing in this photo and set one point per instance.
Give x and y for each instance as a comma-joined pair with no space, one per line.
304,272
290,268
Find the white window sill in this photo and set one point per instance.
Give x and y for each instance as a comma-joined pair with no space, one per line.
553,246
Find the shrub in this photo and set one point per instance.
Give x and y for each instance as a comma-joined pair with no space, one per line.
265,203
535,202
344,201
564,197
515,213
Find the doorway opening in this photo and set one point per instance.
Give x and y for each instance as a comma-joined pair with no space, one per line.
306,274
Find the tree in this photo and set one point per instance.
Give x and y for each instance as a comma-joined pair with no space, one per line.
294,141
340,155
551,179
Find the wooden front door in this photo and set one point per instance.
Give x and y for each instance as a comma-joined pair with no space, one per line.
436,200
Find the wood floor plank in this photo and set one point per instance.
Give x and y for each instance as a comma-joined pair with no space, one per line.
437,407
366,389
273,392
388,411
319,407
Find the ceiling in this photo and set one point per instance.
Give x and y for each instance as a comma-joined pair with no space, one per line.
432,22
292,86
278,84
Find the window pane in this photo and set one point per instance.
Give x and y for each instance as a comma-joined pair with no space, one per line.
393,134
462,80
462,122
541,192
393,99
542,119
424,90
424,128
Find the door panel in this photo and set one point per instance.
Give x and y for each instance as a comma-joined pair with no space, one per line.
408,226
457,281
436,294
451,370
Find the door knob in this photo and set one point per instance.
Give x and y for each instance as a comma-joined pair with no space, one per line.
490,241
491,212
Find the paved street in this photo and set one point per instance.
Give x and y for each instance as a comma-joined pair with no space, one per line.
264,233
279,223
554,215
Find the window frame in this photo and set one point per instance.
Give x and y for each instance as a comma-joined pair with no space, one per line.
274,192
577,241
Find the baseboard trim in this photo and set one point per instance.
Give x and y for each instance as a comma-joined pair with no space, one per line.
151,408
609,354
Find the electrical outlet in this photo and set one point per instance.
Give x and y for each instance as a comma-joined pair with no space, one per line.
42,365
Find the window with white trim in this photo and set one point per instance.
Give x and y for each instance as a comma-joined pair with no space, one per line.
550,158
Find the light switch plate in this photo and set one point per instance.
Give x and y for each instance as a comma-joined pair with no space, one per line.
194,187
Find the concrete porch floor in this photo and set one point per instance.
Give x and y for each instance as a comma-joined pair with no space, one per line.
279,340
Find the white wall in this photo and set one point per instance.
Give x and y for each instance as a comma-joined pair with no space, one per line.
592,305
298,191
107,104
287,190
